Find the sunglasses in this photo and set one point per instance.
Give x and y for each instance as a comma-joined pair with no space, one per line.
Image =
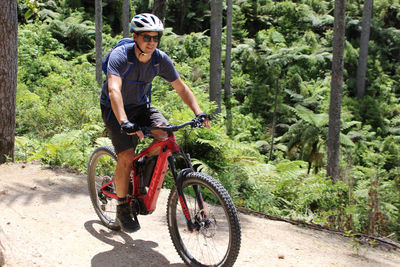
147,38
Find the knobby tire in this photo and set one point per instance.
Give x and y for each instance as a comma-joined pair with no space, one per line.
101,169
205,247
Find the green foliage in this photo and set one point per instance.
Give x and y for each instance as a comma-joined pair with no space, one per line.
73,31
59,94
277,45
70,149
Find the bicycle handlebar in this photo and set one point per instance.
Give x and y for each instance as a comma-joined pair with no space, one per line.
196,122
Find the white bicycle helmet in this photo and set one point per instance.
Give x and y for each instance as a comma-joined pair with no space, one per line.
146,22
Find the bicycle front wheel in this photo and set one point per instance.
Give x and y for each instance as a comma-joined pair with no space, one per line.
101,169
216,239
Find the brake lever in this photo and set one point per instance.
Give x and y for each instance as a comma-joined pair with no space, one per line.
197,123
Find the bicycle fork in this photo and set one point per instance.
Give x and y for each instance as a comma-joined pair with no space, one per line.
179,181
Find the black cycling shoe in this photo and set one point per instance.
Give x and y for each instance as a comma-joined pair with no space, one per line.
124,219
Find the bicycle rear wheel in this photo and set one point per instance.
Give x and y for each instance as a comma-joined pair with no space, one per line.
101,169
216,240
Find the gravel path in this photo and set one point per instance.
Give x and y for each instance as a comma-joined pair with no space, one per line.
46,219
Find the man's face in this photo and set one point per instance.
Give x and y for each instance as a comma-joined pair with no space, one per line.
147,41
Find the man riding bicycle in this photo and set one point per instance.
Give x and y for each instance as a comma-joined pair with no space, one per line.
125,101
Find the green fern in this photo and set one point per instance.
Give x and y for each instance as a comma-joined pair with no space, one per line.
291,169
201,166
317,120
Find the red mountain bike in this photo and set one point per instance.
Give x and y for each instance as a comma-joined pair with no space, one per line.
202,220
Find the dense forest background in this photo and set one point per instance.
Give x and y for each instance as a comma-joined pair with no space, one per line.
282,53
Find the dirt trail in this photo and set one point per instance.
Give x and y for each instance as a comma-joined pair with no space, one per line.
46,219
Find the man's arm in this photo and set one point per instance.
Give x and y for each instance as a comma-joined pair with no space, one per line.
117,104
114,91
188,97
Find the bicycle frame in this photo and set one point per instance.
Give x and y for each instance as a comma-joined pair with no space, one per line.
169,151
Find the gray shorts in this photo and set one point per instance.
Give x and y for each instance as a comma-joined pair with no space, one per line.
145,115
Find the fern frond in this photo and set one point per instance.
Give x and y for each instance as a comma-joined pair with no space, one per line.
394,130
395,120
295,96
253,172
318,120
218,145
349,124
397,138
241,148
244,160
291,169
345,140
201,166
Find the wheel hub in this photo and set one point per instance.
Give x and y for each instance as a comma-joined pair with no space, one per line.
205,225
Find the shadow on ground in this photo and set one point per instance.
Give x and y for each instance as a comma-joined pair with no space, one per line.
126,251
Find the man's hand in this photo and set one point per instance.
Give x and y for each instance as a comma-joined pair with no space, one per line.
128,127
204,118
131,128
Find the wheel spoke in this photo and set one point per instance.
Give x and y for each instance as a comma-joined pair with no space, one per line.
211,243
101,172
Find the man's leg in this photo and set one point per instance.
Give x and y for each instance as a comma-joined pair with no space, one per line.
159,136
122,172
124,217
124,146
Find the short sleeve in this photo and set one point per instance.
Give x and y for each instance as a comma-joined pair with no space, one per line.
167,68
117,62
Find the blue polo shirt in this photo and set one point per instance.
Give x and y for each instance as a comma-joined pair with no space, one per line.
136,84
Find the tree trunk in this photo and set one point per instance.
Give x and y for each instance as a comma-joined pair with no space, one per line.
274,118
8,77
336,90
126,18
215,53
228,94
373,203
99,40
182,16
363,57
159,8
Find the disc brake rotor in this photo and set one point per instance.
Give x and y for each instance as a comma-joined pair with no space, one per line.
207,225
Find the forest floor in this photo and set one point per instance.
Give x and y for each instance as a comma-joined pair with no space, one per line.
47,219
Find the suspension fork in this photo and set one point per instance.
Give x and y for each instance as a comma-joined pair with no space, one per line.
200,200
196,188
178,182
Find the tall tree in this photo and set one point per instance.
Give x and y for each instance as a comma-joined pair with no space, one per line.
99,40
159,8
215,52
227,84
8,77
274,118
126,18
336,89
363,57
